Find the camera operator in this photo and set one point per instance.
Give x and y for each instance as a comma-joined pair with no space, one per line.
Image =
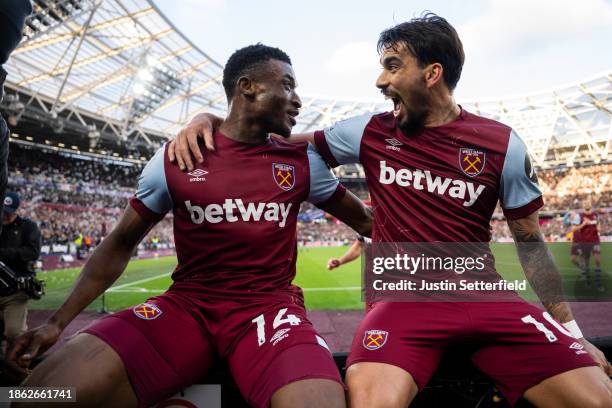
12,19
19,248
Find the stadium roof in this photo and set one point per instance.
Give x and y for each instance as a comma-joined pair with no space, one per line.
569,124
121,61
121,66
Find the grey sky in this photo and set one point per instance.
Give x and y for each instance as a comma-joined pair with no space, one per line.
512,46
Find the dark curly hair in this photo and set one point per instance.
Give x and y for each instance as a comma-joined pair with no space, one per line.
246,61
430,38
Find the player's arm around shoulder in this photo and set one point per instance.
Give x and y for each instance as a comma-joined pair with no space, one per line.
340,143
184,149
543,274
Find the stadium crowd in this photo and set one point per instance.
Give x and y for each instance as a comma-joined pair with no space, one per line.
58,178
568,188
74,198
552,228
70,196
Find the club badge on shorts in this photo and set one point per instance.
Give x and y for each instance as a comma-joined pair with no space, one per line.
147,311
471,161
284,175
374,339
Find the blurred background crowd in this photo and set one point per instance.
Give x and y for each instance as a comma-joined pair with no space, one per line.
77,197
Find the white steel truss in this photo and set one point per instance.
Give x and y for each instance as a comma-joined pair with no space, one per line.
88,63
86,66
563,126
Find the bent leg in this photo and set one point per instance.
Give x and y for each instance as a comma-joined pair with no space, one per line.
301,375
162,354
289,366
393,356
89,365
586,387
528,347
381,385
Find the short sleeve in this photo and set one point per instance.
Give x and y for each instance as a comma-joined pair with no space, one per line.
152,200
341,142
519,192
324,185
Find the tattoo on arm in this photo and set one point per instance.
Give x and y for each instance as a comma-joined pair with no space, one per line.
539,266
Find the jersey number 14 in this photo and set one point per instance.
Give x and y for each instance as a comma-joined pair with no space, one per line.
280,319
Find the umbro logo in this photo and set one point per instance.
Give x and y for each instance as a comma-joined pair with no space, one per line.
279,335
578,347
394,143
198,172
197,175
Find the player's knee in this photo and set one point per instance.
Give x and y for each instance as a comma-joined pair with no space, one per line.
603,397
598,394
312,393
82,354
592,390
379,385
375,398
331,395
56,369
373,394
598,400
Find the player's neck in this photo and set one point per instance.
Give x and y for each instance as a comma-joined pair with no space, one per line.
443,110
243,130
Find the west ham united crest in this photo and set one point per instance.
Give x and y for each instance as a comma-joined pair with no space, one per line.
147,311
471,161
284,175
374,339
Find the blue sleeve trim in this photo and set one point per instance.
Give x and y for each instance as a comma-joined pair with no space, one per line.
323,182
152,188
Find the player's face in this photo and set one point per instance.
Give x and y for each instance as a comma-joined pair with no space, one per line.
403,81
277,104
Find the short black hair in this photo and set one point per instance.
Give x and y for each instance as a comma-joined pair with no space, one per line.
246,60
430,38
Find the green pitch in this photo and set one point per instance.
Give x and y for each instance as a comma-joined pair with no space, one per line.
323,289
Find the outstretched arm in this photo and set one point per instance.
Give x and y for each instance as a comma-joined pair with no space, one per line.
105,265
350,255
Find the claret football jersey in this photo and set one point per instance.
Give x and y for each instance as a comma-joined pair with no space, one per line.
235,214
589,233
441,184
